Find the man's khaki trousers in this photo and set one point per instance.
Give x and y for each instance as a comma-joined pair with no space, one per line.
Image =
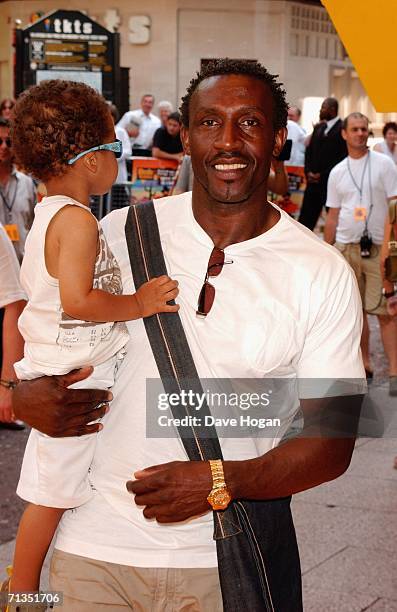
88,585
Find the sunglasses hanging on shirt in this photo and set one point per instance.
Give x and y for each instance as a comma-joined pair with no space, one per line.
207,293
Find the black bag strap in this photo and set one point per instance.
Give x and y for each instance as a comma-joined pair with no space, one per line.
171,350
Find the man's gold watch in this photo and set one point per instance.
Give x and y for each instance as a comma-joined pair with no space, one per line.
219,497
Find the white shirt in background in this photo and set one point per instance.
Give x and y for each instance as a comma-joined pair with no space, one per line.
330,124
10,287
379,184
384,148
297,134
122,134
149,124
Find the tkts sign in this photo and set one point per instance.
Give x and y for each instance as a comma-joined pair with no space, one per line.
68,39
69,23
66,26
67,45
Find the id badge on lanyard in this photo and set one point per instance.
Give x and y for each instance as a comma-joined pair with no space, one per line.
11,228
360,213
12,231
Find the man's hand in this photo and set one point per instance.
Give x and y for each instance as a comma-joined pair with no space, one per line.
49,406
174,491
6,413
313,177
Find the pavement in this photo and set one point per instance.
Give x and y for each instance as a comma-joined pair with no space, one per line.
346,529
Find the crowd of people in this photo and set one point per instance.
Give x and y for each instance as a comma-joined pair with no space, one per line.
73,282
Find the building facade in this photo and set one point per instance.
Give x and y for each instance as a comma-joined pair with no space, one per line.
164,42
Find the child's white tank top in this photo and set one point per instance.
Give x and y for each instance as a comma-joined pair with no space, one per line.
55,342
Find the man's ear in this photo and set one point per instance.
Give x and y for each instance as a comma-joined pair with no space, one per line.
90,162
279,141
184,133
344,135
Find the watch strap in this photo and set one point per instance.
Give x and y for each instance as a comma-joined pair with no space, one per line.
218,475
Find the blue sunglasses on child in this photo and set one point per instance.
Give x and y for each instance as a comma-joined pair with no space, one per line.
116,147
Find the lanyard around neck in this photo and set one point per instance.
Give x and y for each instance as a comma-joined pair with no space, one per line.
359,187
9,203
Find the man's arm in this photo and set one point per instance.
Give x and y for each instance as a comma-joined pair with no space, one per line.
331,352
331,224
12,352
321,453
156,152
333,203
178,490
278,182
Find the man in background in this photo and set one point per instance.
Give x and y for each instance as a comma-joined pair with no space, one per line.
359,189
325,149
294,114
167,142
12,302
149,122
17,194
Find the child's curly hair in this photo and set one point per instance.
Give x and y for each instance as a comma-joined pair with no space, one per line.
53,122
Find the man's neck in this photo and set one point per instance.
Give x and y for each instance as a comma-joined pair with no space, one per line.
5,172
228,224
356,153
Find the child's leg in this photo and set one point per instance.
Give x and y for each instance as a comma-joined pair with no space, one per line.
36,530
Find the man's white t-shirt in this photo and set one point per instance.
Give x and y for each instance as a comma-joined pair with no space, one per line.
288,306
378,175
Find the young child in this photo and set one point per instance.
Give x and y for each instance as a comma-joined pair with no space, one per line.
63,135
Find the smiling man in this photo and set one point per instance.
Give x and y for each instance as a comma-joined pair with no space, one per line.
287,305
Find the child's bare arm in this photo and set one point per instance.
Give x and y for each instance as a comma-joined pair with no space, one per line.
76,232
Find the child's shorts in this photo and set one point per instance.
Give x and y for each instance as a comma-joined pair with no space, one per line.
55,471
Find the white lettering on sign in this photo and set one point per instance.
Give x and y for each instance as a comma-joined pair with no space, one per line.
112,20
139,29
58,25
67,27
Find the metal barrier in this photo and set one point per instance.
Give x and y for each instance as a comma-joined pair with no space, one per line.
122,194
97,206
118,197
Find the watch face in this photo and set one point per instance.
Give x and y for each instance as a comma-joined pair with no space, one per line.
219,498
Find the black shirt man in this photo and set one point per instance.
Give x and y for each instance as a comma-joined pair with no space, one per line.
326,149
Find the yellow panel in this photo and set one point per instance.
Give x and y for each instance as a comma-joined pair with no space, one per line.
368,29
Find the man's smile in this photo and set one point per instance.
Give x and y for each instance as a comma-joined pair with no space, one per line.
225,167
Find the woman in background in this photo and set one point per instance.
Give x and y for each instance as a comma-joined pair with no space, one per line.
389,144
6,108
